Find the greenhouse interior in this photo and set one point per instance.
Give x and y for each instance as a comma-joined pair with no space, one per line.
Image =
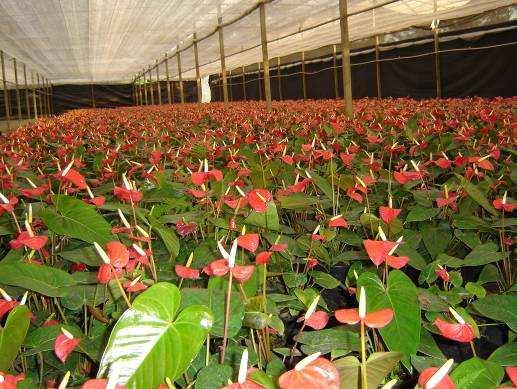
248,194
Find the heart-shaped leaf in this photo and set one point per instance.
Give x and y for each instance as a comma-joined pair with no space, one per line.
12,335
151,341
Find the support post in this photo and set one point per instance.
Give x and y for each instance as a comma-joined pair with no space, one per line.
304,84
259,83
34,102
18,99
180,79
47,84
265,55
146,99
6,92
167,76
244,83
334,68
151,85
437,63
158,86
92,95
378,66
198,74
223,62
51,99
345,57
40,102
27,103
279,73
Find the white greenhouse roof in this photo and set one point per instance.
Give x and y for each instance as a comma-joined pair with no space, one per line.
99,41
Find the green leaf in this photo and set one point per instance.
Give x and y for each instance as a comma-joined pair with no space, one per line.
477,373
293,280
322,184
420,214
471,239
499,307
12,335
483,254
43,279
324,280
401,295
213,376
151,341
168,236
298,201
415,259
76,219
476,195
268,219
329,339
215,300
436,240
83,294
86,255
506,355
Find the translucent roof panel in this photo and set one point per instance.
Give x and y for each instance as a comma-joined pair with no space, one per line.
77,41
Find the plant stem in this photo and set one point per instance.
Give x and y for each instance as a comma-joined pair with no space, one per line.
227,317
364,382
122,291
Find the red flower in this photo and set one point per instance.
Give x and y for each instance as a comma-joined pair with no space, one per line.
501,204
426,374
34,192
25,239
278,247
7,205
220,267
377,319
99,383
132,286
9,381
443,274
186,272
338,221
388,214
249,242
104,274
443,163
6,306
378,250
127,195
75,178
259,199
396,262
98,201
459,332
311,373
512,373
185,229
318,320
117,253
263,258
242,273
64,345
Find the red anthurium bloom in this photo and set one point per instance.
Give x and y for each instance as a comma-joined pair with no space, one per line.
278,247
132,286
8,204
512,373
99,383
443,274
185,229
217,268
34,192
186,272
75,178
388,214
503,204
460,332
482,163
263,258
25,239
396,262
436,378
8,381
258,199
127,195
242,273
64,345
338,221
378,250
98,201
6,306
443,163
104,274
377,319
249,242
318,320
311,372
117,253
75,267
196,193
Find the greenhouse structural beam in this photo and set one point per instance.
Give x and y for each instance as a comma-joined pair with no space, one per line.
6,92
304,82
151,91
180,79
378,67
244,83
345,57
18,99
437,63
198,74
34,103
279,75
334,71
168,79
27,100
223,62
265,56
158,87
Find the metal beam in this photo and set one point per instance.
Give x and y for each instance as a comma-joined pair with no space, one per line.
223,62
198,75
265,56
180,79
6,92
345,57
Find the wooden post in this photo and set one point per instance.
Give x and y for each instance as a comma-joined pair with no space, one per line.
145,87
223,62
92,95
6,92
304,84
345,57
265,55
151,85
180,79
34,103
198,74
27,103
51,98
158,86
40,102
279,73
167,76
230,85
18,100
334,68
47,82
437,63
378,66
244,83
259,83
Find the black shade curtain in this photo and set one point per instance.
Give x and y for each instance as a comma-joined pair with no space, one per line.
486,72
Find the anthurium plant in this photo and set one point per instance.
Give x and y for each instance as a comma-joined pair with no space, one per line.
210,246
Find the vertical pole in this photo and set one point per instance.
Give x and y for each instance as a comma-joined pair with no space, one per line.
180,79
279,72
167,76
265,55
334,68
304,84
198,75
145,87
40,102
51,99
158,86
18,100
259,83
6,92
27,103
345,57
378,66
230,85
437,63
92,95
151,85
48,97
34,103
223,62
244,83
